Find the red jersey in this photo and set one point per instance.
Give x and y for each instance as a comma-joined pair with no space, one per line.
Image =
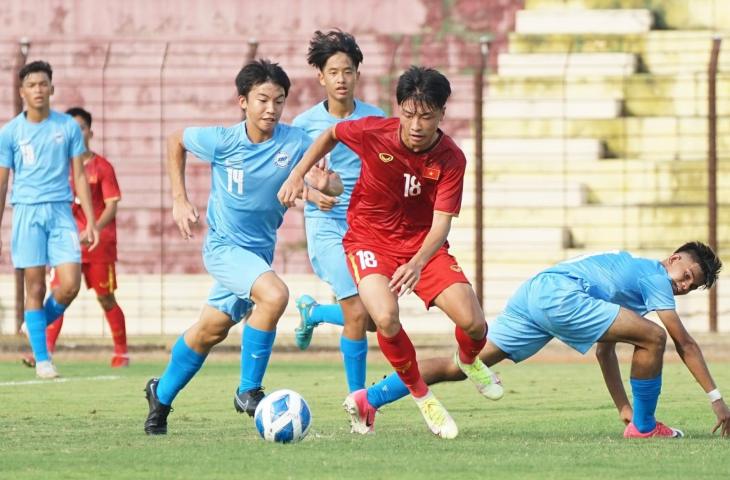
103,185
399,190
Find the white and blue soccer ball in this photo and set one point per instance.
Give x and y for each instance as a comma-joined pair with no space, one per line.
283,416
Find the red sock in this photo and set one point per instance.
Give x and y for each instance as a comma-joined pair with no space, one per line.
402,356
115,317
468,347
52,332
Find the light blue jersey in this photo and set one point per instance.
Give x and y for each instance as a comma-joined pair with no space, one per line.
577,300
638,284
342,160
243,208
243,211
40,156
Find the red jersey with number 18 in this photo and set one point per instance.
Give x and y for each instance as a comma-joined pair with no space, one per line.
392,205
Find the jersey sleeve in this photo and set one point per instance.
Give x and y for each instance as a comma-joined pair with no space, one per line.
76,140
109,185
202,141
350,132
656,290
450,188
6,148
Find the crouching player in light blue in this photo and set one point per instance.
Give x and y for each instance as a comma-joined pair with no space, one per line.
249,162
39,145
599,298
336,56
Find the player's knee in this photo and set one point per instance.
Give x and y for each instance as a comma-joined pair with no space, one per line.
36,290
657,339
387,322
477,329
274,298
107,302
66,293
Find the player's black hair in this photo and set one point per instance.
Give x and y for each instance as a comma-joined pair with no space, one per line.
707,259
34,67
80,112
426,87
323,45
261,71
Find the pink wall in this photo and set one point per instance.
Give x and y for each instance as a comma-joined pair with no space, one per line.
146,68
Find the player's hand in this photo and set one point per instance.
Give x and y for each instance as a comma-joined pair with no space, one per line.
91,235
318,175
723,417
293,188
626,413
320,200
185,215
404,279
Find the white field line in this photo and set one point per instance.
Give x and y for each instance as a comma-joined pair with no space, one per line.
59,380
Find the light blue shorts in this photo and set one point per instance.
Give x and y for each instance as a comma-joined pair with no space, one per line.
329,262
234,269
44,234
546,306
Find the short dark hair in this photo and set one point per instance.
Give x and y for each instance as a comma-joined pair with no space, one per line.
261,71
323,45
424,86
80,112
34,67
707,259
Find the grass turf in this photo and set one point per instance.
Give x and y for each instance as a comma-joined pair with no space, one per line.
556,421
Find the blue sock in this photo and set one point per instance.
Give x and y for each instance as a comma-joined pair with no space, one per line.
35,322
255,353
53,309
646,395
327,313
184,364
354,356
388,390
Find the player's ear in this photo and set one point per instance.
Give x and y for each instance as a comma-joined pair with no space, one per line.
242,102
320,77
53,89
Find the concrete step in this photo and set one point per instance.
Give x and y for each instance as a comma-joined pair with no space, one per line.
570,20
544,149
524,192
697,14
566,64
552,108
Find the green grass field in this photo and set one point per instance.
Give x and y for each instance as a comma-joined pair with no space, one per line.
556,421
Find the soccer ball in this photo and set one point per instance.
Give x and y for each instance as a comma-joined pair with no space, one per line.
283,416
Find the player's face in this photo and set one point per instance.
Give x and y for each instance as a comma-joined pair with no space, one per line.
686,274
339,77
36,90
419,125
264,105
85,131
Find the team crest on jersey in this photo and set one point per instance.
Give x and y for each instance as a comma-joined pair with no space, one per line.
58,137
385,157
455,268
281,160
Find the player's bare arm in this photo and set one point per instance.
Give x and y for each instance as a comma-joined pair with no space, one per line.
183,212
91,232
294,186
607,359
406,276
690,353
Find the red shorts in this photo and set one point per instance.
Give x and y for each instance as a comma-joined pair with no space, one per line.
102,277
441,271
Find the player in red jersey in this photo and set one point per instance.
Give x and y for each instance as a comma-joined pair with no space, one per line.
410,188
97,266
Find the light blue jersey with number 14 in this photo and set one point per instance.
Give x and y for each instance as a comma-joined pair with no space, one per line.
245,177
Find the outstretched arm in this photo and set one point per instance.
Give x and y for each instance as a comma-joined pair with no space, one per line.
692,357
294,186
606,355
183,212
